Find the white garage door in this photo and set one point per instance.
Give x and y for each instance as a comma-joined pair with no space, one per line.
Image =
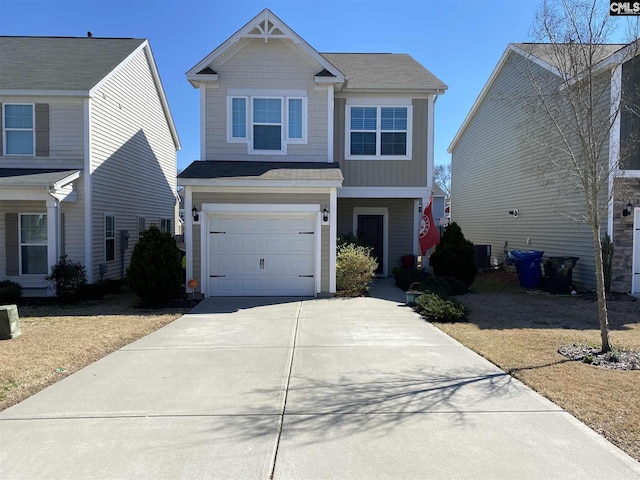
261,255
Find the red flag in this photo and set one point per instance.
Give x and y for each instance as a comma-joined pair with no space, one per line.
428,235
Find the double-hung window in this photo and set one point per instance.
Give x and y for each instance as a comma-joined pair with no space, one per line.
33,244
109,238
19,129
266,123
378,132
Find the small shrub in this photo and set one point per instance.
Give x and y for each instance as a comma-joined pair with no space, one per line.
613,356
355,269
405,277
91,291
444,286
155,271
454,256
588,359
10,292
439,309
351,239
66,277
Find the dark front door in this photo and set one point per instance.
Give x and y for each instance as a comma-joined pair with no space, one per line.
370,230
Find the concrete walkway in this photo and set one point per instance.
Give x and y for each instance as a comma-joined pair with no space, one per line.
299,389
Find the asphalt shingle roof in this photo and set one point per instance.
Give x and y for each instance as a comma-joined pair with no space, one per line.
60,63
555,54
32,176
310,171
384,71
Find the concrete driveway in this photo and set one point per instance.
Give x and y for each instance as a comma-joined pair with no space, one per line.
254,388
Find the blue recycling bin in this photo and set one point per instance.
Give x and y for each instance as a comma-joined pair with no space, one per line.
528,267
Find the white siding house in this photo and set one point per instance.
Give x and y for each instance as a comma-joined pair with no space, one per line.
103,154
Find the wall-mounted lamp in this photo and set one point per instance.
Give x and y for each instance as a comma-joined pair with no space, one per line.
325,214
514,212
626,211
194,212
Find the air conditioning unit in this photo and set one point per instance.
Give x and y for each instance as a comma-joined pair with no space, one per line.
483,256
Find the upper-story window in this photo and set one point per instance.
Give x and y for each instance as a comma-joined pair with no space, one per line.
267,124
19,129
630,116
378,132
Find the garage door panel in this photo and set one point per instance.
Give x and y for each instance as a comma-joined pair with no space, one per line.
266,255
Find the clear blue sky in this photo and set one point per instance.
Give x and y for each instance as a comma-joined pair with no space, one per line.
460,41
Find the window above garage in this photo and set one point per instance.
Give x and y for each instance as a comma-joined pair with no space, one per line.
267,121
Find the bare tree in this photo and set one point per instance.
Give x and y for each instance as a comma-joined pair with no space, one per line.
573,114
442,177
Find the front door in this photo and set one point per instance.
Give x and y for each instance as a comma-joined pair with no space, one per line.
370,229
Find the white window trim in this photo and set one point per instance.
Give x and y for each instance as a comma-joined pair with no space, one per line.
378,104
303,138
230,137
20,244
106,215
32,130
164,229
284,96
283,146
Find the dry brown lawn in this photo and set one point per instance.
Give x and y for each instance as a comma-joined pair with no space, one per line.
58,340
521,332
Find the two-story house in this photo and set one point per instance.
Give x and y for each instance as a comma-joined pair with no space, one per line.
298,147
501,196
87,155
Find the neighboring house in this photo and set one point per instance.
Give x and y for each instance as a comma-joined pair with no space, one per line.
439,206
499,196
298,147
87,155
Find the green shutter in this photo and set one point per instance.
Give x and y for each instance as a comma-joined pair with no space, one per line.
42,129
11,244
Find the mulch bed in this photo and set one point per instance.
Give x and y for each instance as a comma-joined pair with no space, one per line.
613,360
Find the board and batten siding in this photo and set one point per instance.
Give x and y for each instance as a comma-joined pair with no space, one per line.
401,216
265,66
65,137
496,169
133,164
384,173
319,198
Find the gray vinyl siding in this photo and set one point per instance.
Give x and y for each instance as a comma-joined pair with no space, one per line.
262,198
384,173
401,223
264,66
65,134
495,170
133,164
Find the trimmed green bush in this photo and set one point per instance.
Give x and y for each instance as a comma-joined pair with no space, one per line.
10,292
355,269
155,271
444,286
404,277
66,277
454,256
433,307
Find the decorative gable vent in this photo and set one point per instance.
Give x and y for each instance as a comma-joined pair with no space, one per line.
266,29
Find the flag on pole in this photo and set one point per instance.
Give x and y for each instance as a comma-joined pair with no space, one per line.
428,235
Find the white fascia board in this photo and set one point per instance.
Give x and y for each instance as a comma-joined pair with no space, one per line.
67,180
266,15
45,93
39,193
383,192
492,78
259,190
217,182
196,79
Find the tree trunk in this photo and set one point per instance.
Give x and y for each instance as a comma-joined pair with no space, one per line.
603,315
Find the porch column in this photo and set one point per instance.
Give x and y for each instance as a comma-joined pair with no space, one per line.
333,235
52,233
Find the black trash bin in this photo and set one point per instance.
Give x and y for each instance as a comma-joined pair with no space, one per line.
559,274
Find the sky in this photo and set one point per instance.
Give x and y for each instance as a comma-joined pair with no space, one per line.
459,41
